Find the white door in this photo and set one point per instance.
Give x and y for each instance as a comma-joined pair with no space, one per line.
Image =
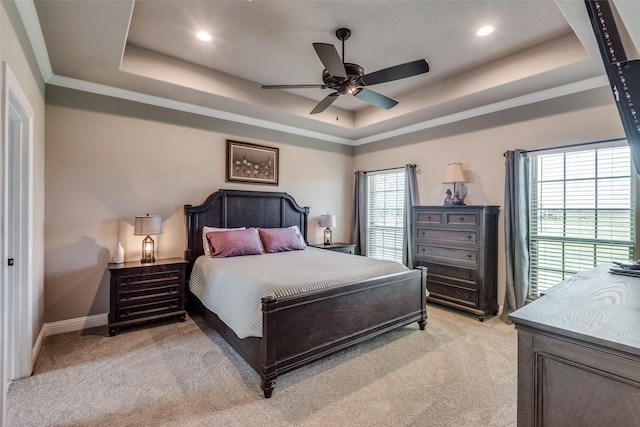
17,243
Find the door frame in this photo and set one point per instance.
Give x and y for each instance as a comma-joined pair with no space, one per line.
16,334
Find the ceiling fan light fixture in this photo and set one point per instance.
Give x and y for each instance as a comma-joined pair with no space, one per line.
204,36
485,31
347,78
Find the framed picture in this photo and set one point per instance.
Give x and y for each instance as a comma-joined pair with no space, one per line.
252,163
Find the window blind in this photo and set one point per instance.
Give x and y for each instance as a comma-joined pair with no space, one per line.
582,212
385,213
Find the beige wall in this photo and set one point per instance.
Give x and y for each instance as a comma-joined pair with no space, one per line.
109,160
16,53
479,145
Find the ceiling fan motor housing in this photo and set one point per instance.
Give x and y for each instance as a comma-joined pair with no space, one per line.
354,73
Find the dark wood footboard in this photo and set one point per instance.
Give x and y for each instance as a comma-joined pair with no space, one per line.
301,329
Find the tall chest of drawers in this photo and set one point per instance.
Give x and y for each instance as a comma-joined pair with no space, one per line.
458,244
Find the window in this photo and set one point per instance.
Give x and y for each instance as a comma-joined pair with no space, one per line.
582,212
385,214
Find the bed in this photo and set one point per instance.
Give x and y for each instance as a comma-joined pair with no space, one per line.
300,328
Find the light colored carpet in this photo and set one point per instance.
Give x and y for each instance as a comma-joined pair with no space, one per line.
458,372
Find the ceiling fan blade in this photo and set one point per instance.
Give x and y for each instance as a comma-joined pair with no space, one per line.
375,98
322,105
330,59
396,72
293,86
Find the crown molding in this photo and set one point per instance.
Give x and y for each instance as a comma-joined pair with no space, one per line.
29,16
530,98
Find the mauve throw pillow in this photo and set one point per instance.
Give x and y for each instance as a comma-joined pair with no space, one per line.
234,243
279,240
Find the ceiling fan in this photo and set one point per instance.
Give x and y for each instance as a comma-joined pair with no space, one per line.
346,78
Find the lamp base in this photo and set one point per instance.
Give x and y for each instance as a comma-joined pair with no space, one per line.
327,236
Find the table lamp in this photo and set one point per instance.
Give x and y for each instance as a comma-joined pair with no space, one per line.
147,225
327,221
454,174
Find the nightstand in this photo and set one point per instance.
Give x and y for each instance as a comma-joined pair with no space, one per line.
347,248
146,292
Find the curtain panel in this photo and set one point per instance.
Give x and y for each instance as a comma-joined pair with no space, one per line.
411,199
516,231
359,223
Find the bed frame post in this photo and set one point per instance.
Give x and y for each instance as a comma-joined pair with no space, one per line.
425,293
268,372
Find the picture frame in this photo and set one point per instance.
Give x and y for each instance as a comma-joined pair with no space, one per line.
253,163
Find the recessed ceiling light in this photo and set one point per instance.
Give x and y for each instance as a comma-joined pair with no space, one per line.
204,36
485,31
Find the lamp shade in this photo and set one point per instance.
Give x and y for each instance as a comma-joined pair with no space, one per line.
146,225
454,173
327,220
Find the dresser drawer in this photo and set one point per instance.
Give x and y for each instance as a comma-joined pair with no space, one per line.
426,217
461,218
463,276
434,235
461,295
445,254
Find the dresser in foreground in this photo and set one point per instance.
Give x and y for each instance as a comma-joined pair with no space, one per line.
458,244
579,353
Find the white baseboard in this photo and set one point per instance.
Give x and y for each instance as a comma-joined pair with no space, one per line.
77,324
69,325
35,351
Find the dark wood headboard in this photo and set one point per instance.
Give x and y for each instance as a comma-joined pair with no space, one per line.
237,208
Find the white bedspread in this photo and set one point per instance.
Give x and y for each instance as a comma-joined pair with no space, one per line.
233,287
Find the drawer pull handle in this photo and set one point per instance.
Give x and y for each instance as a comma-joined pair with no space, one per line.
469,256
461,218
469,237
422,249
429,218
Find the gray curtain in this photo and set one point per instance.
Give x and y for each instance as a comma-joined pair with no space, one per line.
360,214
410,200
516,231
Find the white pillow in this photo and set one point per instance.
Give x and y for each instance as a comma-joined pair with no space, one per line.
299,234
205,242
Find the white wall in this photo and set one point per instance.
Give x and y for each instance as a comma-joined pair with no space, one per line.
103,169
479,145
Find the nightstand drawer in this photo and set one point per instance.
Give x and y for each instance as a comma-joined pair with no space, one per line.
149,309
433,235
131,296
148,279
